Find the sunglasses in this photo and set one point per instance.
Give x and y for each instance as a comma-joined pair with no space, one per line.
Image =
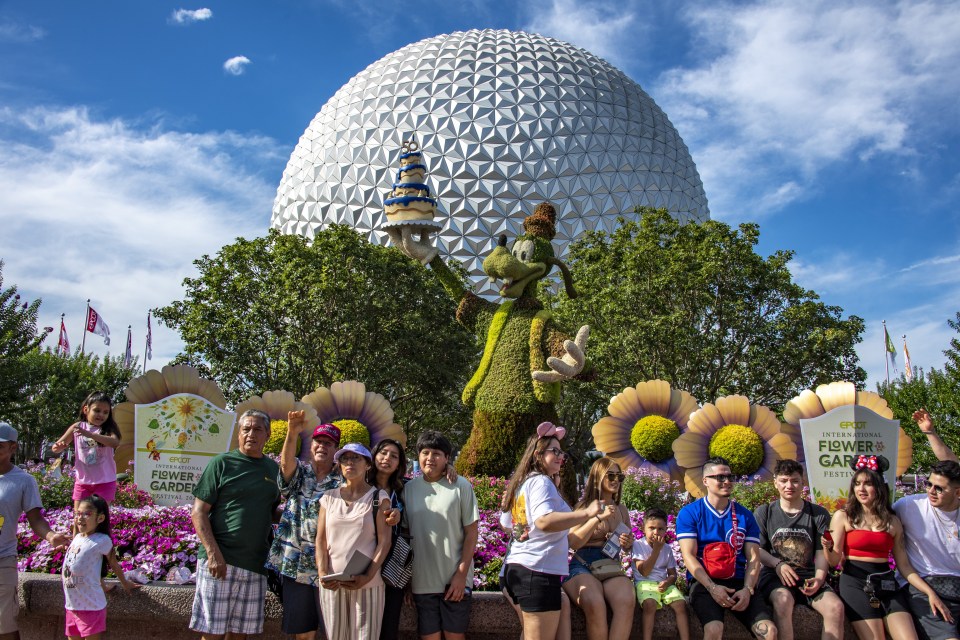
723,477
937,489
560,453
611,475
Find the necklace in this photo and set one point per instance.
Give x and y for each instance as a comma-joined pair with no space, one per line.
945,522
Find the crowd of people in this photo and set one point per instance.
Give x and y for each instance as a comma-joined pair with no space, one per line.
348,511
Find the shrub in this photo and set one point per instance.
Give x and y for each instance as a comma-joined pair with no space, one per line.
489,491
644,489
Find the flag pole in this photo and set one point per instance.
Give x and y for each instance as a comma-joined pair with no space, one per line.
886,359
86,318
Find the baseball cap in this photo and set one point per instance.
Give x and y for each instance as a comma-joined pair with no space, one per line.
327,430
9,434
353,447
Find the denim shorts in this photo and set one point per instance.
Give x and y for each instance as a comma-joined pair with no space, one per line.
589,555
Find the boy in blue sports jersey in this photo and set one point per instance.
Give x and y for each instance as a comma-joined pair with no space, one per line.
720,543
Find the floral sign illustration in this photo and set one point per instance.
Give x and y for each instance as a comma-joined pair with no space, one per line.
175,438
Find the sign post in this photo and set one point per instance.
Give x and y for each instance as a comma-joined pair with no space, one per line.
175,438
835,439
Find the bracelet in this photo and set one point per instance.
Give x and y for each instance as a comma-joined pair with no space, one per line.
598,519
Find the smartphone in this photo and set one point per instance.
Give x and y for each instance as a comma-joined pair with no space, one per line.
828,536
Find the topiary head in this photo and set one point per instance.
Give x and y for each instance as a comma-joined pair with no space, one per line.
530,258
652,437
740,445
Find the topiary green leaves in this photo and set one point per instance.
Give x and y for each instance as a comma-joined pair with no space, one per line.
652,437
352,431
740,445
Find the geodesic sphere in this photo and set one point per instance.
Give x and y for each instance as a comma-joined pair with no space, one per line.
505,120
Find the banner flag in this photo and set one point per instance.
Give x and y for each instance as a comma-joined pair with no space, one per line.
63,344
149,340
907,367
95,324
128,356
892,350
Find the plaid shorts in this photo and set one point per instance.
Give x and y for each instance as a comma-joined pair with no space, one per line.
231,605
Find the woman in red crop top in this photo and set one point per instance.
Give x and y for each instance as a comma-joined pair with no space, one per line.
868,531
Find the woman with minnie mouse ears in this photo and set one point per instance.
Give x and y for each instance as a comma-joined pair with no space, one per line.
537,560
867,531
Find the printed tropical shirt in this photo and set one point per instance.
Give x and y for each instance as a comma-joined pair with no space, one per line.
293,552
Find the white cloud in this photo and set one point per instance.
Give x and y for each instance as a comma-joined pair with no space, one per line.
19,33
188,16
105,210
236,65
797,86
602,28
915,300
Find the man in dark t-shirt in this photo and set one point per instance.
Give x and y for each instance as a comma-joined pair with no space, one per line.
794,566
233,509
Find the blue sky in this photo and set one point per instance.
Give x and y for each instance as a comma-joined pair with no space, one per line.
137,136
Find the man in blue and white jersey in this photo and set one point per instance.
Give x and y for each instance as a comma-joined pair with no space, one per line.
720,543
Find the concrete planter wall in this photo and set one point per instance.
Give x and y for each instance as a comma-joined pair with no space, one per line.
162,612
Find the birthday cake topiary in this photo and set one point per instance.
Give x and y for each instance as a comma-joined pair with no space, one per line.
410,202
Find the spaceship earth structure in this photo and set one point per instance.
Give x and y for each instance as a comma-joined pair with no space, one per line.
505,120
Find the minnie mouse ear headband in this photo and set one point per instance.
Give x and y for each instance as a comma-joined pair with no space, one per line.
872,463
549,430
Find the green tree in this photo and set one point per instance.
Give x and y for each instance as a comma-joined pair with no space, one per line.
18,336
282,313
694,304
57,387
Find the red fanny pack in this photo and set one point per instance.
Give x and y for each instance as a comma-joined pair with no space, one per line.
720,558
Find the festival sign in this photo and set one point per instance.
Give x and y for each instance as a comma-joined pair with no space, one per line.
175,438
832,441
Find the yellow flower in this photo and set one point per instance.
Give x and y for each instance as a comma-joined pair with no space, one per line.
643,423
709,430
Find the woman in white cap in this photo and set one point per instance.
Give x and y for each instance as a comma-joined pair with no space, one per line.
352,520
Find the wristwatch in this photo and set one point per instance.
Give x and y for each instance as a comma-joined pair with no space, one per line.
750,589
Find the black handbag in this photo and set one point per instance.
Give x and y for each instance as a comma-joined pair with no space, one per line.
397,569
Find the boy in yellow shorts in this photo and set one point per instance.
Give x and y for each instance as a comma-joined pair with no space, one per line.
655,575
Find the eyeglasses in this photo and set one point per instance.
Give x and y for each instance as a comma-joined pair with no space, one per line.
615,476
723,477
937,489
560,453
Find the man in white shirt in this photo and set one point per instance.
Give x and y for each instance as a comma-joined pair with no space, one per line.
930,524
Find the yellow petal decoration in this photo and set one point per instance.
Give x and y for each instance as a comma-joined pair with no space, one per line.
811,404
612,433
153,386
692,448
350,400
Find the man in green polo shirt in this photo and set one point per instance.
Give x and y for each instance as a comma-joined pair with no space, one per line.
232,514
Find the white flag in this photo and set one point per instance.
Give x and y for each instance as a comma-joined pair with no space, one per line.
95,324
149,341
128,357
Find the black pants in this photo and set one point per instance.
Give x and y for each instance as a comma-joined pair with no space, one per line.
392,604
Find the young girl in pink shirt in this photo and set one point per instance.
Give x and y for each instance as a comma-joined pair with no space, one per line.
95,437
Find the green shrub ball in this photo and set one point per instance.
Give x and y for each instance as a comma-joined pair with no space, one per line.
652,437
740,445
353,431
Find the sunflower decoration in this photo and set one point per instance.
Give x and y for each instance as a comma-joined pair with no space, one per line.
362,416
811,404
642,425
748,435
277,404
156,385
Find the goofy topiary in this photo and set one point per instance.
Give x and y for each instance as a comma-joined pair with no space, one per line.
525,357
